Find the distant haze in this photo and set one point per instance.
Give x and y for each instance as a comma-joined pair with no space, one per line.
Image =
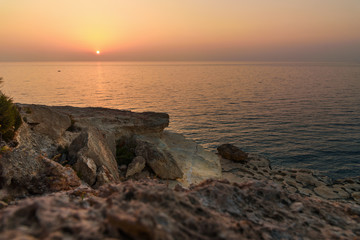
189,30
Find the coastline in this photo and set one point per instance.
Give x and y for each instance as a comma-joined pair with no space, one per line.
83,154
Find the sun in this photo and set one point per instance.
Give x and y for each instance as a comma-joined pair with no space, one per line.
97,52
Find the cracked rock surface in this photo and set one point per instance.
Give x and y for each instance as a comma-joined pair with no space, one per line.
150,210
302,181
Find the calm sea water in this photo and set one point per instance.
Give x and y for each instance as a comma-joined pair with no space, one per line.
303,115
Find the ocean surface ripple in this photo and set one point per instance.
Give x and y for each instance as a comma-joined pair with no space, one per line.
303,115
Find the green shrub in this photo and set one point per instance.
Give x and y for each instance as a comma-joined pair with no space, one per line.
10,119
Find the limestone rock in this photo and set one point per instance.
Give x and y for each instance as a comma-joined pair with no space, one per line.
45,120
210,210
291,182
86,139
136,166
232,152
352,187
306,191
307,179
256,167
26,169
116,121
90,144
196,163
341,192
103,177
86,169
58,178
162,163
110,140
23,174
300,181
327,192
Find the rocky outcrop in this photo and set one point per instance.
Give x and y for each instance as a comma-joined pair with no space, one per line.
149,210
115,121
86,139
44,120
89,152
24,170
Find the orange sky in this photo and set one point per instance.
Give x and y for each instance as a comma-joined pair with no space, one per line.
179,30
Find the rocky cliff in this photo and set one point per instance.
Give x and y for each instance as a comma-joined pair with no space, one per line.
95,146
95,173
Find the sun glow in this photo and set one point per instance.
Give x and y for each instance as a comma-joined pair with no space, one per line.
179,30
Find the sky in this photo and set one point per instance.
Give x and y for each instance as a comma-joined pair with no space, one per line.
183,30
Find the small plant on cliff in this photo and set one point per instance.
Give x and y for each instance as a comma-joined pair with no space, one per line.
4,149
10,119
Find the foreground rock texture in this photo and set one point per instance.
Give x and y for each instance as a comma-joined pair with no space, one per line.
83,144
150,210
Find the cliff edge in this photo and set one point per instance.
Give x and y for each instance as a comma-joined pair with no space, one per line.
96,173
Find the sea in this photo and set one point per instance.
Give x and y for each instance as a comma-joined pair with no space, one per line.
298,115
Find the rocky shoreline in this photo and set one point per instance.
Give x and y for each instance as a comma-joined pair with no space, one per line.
95,173
305,182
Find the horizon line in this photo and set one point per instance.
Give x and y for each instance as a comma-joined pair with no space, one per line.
196,61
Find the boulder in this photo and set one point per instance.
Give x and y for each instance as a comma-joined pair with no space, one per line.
88,148
23,173
136,166
196,163
161,162
86,169
231,152
59,178
45,120
26,169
